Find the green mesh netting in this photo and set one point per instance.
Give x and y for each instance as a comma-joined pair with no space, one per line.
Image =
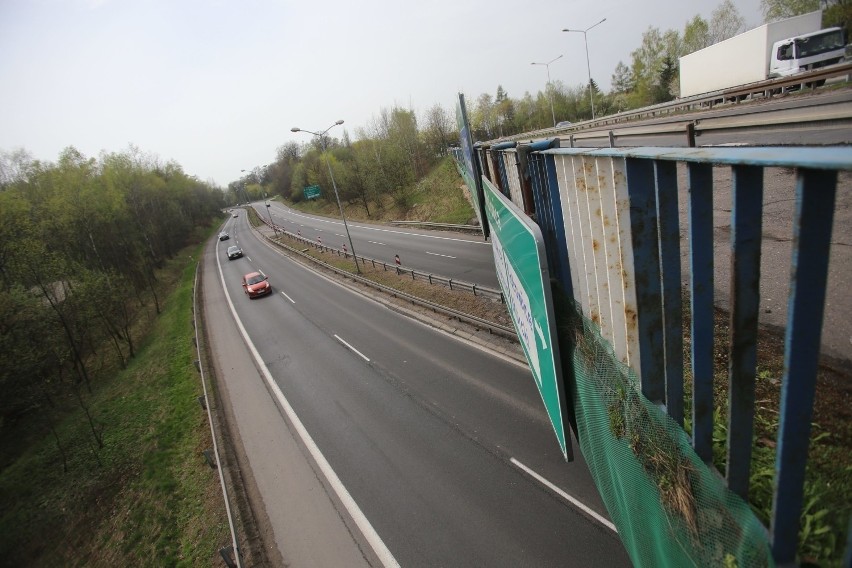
669,507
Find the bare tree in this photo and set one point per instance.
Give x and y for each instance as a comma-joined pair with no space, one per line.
726,21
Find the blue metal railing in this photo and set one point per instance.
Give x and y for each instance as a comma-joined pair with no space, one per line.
611,225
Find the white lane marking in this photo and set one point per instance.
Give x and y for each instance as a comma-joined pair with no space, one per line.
487,350
565,496
370,535
341,340
319,230
377,243
338,235
288,297
261,272
436,254
249,258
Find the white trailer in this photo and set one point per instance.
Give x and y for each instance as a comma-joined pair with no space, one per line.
742,59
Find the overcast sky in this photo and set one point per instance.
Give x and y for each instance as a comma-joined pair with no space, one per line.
216,85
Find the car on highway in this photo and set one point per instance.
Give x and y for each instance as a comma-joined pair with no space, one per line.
235,215
224,236
234,252
256,284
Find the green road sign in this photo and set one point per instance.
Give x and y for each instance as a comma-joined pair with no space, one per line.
472,178
312,192
522,271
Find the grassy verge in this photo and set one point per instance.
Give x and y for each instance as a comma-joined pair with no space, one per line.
828,486
463,301
440,197
147,498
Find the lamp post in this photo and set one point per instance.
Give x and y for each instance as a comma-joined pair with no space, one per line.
588,67
243,187
549,89
333,184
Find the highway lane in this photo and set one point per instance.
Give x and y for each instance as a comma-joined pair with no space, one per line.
423,442
463,257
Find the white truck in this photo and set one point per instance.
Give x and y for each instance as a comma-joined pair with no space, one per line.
778,49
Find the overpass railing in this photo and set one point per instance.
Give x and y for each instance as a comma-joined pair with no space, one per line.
611,225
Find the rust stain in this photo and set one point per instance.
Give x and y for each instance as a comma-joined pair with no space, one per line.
631,318
595,245
596,318
598,212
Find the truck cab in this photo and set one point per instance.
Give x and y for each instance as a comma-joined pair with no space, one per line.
807,51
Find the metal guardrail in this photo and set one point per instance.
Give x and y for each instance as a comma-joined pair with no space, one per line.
596,129
434,279
234,547
492,327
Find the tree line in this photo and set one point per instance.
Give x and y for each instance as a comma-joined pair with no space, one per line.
398,147
651,76
378,170
80,243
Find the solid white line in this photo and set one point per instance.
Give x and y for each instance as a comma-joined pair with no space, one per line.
436,254
288,297
370,535
341,340
565,496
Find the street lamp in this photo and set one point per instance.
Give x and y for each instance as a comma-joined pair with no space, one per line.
243,187
588,67
549,89
333,184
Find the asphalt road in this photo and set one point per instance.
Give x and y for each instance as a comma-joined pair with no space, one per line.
427,433
451,255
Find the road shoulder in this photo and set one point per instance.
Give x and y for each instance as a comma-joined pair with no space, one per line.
289,502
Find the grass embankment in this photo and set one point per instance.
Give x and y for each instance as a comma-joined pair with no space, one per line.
147,498
440,197
828,486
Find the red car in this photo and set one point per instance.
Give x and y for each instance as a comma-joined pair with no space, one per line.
256,284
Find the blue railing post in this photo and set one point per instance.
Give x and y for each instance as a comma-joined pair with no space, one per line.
665,178
701,304
646,264
815,196
746,228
